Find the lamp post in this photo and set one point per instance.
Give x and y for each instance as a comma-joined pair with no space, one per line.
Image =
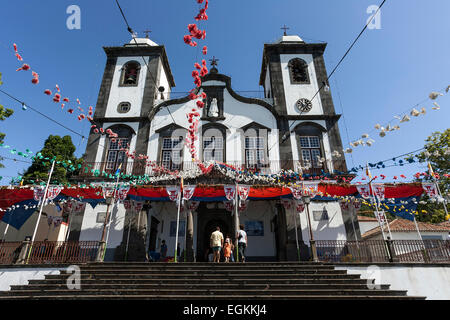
307,201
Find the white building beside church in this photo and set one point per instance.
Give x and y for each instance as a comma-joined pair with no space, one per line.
287,129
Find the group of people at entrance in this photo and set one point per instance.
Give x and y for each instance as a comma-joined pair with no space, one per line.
218,243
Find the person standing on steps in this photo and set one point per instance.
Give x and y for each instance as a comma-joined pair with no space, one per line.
242,243
216,243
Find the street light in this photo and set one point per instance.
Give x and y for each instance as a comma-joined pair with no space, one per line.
307,201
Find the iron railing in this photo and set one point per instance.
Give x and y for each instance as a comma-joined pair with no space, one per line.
9,252
426,251
139,167
416,251
47,252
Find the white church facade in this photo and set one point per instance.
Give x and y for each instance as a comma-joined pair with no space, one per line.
288,129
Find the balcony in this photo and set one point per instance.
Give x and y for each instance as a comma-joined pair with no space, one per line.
151,168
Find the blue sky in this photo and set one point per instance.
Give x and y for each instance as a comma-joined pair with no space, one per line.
387,72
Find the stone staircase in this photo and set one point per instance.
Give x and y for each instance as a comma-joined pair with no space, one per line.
236,281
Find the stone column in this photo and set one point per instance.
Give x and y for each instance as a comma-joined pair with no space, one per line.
189,236
282,232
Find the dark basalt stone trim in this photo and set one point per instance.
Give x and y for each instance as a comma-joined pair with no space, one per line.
288,48
298,127
105,87
152,75
170,127
254,125
277,83
143,51
321,74
92,146
333,118
119,119
218,77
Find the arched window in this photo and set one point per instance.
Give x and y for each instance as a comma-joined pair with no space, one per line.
310,145
130,74
115,153
214,143
171,142
255,146
298,71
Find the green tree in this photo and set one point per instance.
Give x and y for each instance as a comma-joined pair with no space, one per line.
437,152
60,149
4,113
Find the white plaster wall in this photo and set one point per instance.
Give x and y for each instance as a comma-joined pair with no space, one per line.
133,95
92,231
293,92
365,226
163,81
28,227
331,229
166,212
260,245
430,281
237,114
21,276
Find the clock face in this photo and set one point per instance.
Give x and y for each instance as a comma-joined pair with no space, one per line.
304,105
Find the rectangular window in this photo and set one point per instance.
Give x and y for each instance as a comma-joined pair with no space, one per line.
255,153
213,149
115,156
171,153
310,151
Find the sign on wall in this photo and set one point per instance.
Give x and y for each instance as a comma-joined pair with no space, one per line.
254,228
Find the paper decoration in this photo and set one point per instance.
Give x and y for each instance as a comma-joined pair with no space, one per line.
193,205
243,191
230,191
108,191
344,205
127,204
122,193
188,192
137,206
311,188
364,190
378,190
173,192
296,192
229,206
430,189
287,203
356,204
243,204
79,207
300,206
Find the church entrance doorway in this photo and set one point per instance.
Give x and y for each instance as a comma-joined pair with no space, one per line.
211,216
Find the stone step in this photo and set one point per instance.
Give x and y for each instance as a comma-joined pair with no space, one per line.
209,297
204,286
195,277
203,266
213,292
211,271
217,282
212,267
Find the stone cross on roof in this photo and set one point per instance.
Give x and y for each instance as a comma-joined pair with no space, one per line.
214,61
285,28
146,33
